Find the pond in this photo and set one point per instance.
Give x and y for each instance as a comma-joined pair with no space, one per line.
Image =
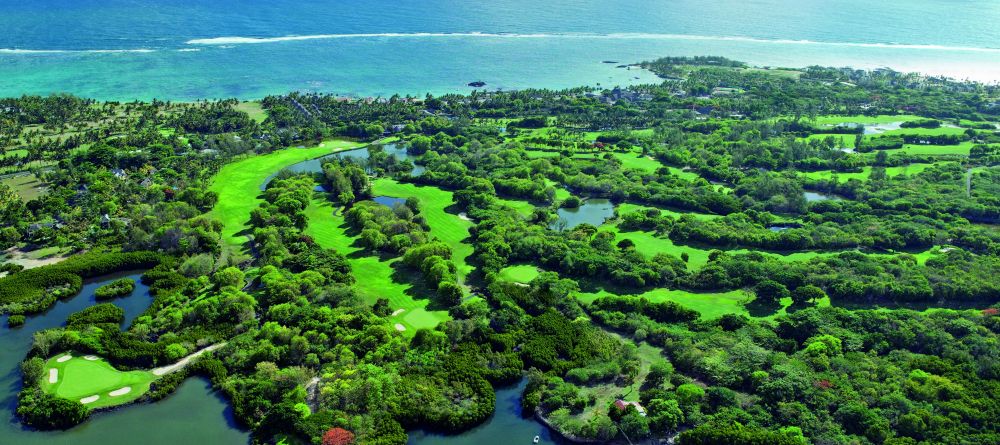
874,128
816,196
591,211
389,201
193,414
504,427
315,165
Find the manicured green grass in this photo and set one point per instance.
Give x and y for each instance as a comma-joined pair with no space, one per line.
627,207
27,186
374,275
79,378
709,304
867,120
937,150
940,131
524,208
523,273
238,184
865,173
254,109
447,227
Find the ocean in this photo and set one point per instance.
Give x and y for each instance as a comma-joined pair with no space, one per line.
187,50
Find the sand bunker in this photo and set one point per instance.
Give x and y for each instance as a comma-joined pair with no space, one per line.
53,375
397,312
90,399
462,216
64,358
400,327
120,392
90,357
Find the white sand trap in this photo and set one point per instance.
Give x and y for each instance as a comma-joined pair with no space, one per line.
90,357
400,327
64,358
120,391
53,375
462,216
90,399
397,312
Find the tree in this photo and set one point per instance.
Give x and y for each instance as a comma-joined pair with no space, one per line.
338,436
771,291
664,415
807,293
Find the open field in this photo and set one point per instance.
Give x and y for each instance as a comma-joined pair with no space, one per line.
82,378
708,304
27,186
375,276
253,109
865,172
961,149
238,184
866,120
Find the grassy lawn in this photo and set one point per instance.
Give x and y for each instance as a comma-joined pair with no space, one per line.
523,273
447,227
524,208
708,304
79,378
866,120
627,207
238,184
254,109
374,275
911,169
27,186
933,150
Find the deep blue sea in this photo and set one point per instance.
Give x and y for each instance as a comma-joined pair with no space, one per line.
184,50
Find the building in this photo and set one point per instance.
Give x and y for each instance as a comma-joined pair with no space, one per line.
623,406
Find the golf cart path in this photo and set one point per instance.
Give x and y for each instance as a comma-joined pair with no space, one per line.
184,361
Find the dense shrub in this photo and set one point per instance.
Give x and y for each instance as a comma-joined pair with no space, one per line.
115,289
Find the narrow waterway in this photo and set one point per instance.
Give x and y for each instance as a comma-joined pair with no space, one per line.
193,414
505,427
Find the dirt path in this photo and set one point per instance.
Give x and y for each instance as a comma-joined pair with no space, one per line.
184,361
18,256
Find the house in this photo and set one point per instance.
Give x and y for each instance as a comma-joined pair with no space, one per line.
119,173
623,406
105,221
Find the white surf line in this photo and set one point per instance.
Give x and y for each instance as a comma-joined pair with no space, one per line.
237,40
53,375
63,358
400,327
120,391
184,361
90,399
90,357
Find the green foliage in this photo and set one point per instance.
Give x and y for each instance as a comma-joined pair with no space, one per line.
34,290
115,289
96,314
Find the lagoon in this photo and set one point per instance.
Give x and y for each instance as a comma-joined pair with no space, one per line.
193,414
189,49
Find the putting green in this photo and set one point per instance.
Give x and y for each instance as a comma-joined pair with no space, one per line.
80,378
523,273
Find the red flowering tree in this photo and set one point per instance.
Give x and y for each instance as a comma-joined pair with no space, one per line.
338,436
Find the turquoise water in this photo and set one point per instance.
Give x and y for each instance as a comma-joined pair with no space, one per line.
194,411
183,49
